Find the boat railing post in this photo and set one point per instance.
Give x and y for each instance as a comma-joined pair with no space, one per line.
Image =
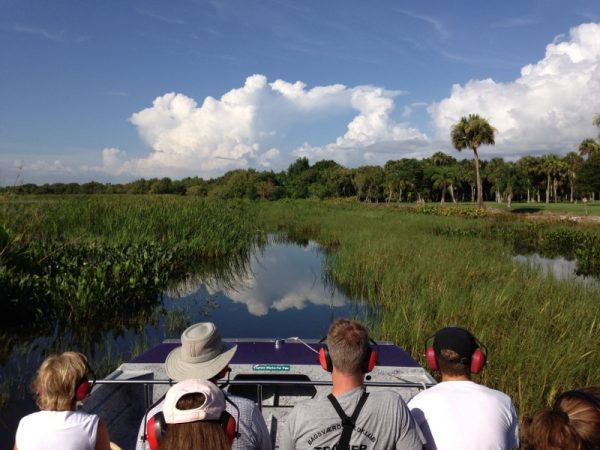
259,392
146,396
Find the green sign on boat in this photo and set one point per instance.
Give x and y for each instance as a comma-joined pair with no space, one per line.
271,367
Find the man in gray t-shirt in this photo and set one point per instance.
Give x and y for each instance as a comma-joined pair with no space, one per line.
383,421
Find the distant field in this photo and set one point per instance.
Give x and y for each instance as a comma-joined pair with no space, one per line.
578,209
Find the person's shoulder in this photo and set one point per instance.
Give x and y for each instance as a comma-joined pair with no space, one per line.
494,393
31,417
385,396
241,401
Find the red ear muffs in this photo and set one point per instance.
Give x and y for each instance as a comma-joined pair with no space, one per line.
82,389
367,365
325,359
229,425
430,355
223,372
155,430
477,361
370,360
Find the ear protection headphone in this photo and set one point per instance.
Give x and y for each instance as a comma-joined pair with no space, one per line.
478,358
586,396
366,365
83,387
156,427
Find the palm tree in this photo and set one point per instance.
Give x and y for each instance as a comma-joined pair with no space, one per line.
472,132
573,162
588,147
551,166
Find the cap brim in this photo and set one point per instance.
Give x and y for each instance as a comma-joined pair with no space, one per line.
179,370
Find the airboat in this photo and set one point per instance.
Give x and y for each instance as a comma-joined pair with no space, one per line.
274,373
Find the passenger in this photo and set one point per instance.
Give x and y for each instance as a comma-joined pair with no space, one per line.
194,418
573,423
379,419
459,413
204,355
60,382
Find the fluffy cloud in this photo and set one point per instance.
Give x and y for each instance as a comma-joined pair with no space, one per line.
549,108
265,125
281,277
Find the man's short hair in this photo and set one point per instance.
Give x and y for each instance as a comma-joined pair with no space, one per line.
348,344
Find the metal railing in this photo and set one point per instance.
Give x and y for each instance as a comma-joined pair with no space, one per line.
260,383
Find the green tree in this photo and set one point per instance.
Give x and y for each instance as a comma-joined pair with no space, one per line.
513,178
494,172
472,132
443,178
572,163
588,147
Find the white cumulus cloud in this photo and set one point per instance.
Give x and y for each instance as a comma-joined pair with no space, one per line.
263,125
549,108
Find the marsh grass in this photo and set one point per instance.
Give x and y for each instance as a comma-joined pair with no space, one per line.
541,333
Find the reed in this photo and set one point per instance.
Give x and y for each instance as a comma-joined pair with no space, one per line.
541,332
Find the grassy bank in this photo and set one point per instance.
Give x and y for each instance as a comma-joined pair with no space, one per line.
105,260
542,334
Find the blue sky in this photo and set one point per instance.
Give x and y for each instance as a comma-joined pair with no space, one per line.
117,90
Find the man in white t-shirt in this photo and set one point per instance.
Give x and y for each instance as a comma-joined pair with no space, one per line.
459,413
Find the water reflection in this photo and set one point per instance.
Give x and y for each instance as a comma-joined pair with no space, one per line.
279,277
278,290
559,267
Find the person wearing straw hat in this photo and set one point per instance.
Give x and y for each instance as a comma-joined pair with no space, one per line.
203,354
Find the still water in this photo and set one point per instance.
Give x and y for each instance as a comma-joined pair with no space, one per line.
280,291
559,268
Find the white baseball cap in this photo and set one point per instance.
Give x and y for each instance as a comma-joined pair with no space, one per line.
211,409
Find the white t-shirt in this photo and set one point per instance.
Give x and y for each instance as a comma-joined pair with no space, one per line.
465,415
65,430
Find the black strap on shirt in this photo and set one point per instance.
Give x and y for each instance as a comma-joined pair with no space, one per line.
348,423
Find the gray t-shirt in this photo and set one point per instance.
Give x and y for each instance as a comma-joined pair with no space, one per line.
384,423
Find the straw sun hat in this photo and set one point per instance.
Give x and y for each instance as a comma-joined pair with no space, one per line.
202,354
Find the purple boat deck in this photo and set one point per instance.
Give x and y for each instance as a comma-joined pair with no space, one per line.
266,352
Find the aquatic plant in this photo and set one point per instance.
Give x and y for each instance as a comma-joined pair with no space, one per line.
422,272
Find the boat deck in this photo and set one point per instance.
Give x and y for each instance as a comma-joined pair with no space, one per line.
276,374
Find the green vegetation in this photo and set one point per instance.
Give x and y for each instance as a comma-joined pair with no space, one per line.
103,260
541,332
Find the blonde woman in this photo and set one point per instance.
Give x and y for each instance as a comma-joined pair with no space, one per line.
60,382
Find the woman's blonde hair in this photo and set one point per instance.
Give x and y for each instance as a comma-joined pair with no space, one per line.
572,424
56,381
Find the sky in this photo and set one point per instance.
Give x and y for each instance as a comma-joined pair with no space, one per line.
113,91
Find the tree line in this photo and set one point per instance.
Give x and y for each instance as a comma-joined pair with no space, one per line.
439,178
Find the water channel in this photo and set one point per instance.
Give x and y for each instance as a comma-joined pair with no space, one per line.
559,268
280,291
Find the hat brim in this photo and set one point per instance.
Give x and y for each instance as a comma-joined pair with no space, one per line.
180,370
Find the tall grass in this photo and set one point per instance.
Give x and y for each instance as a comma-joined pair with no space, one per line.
205,227
542,333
